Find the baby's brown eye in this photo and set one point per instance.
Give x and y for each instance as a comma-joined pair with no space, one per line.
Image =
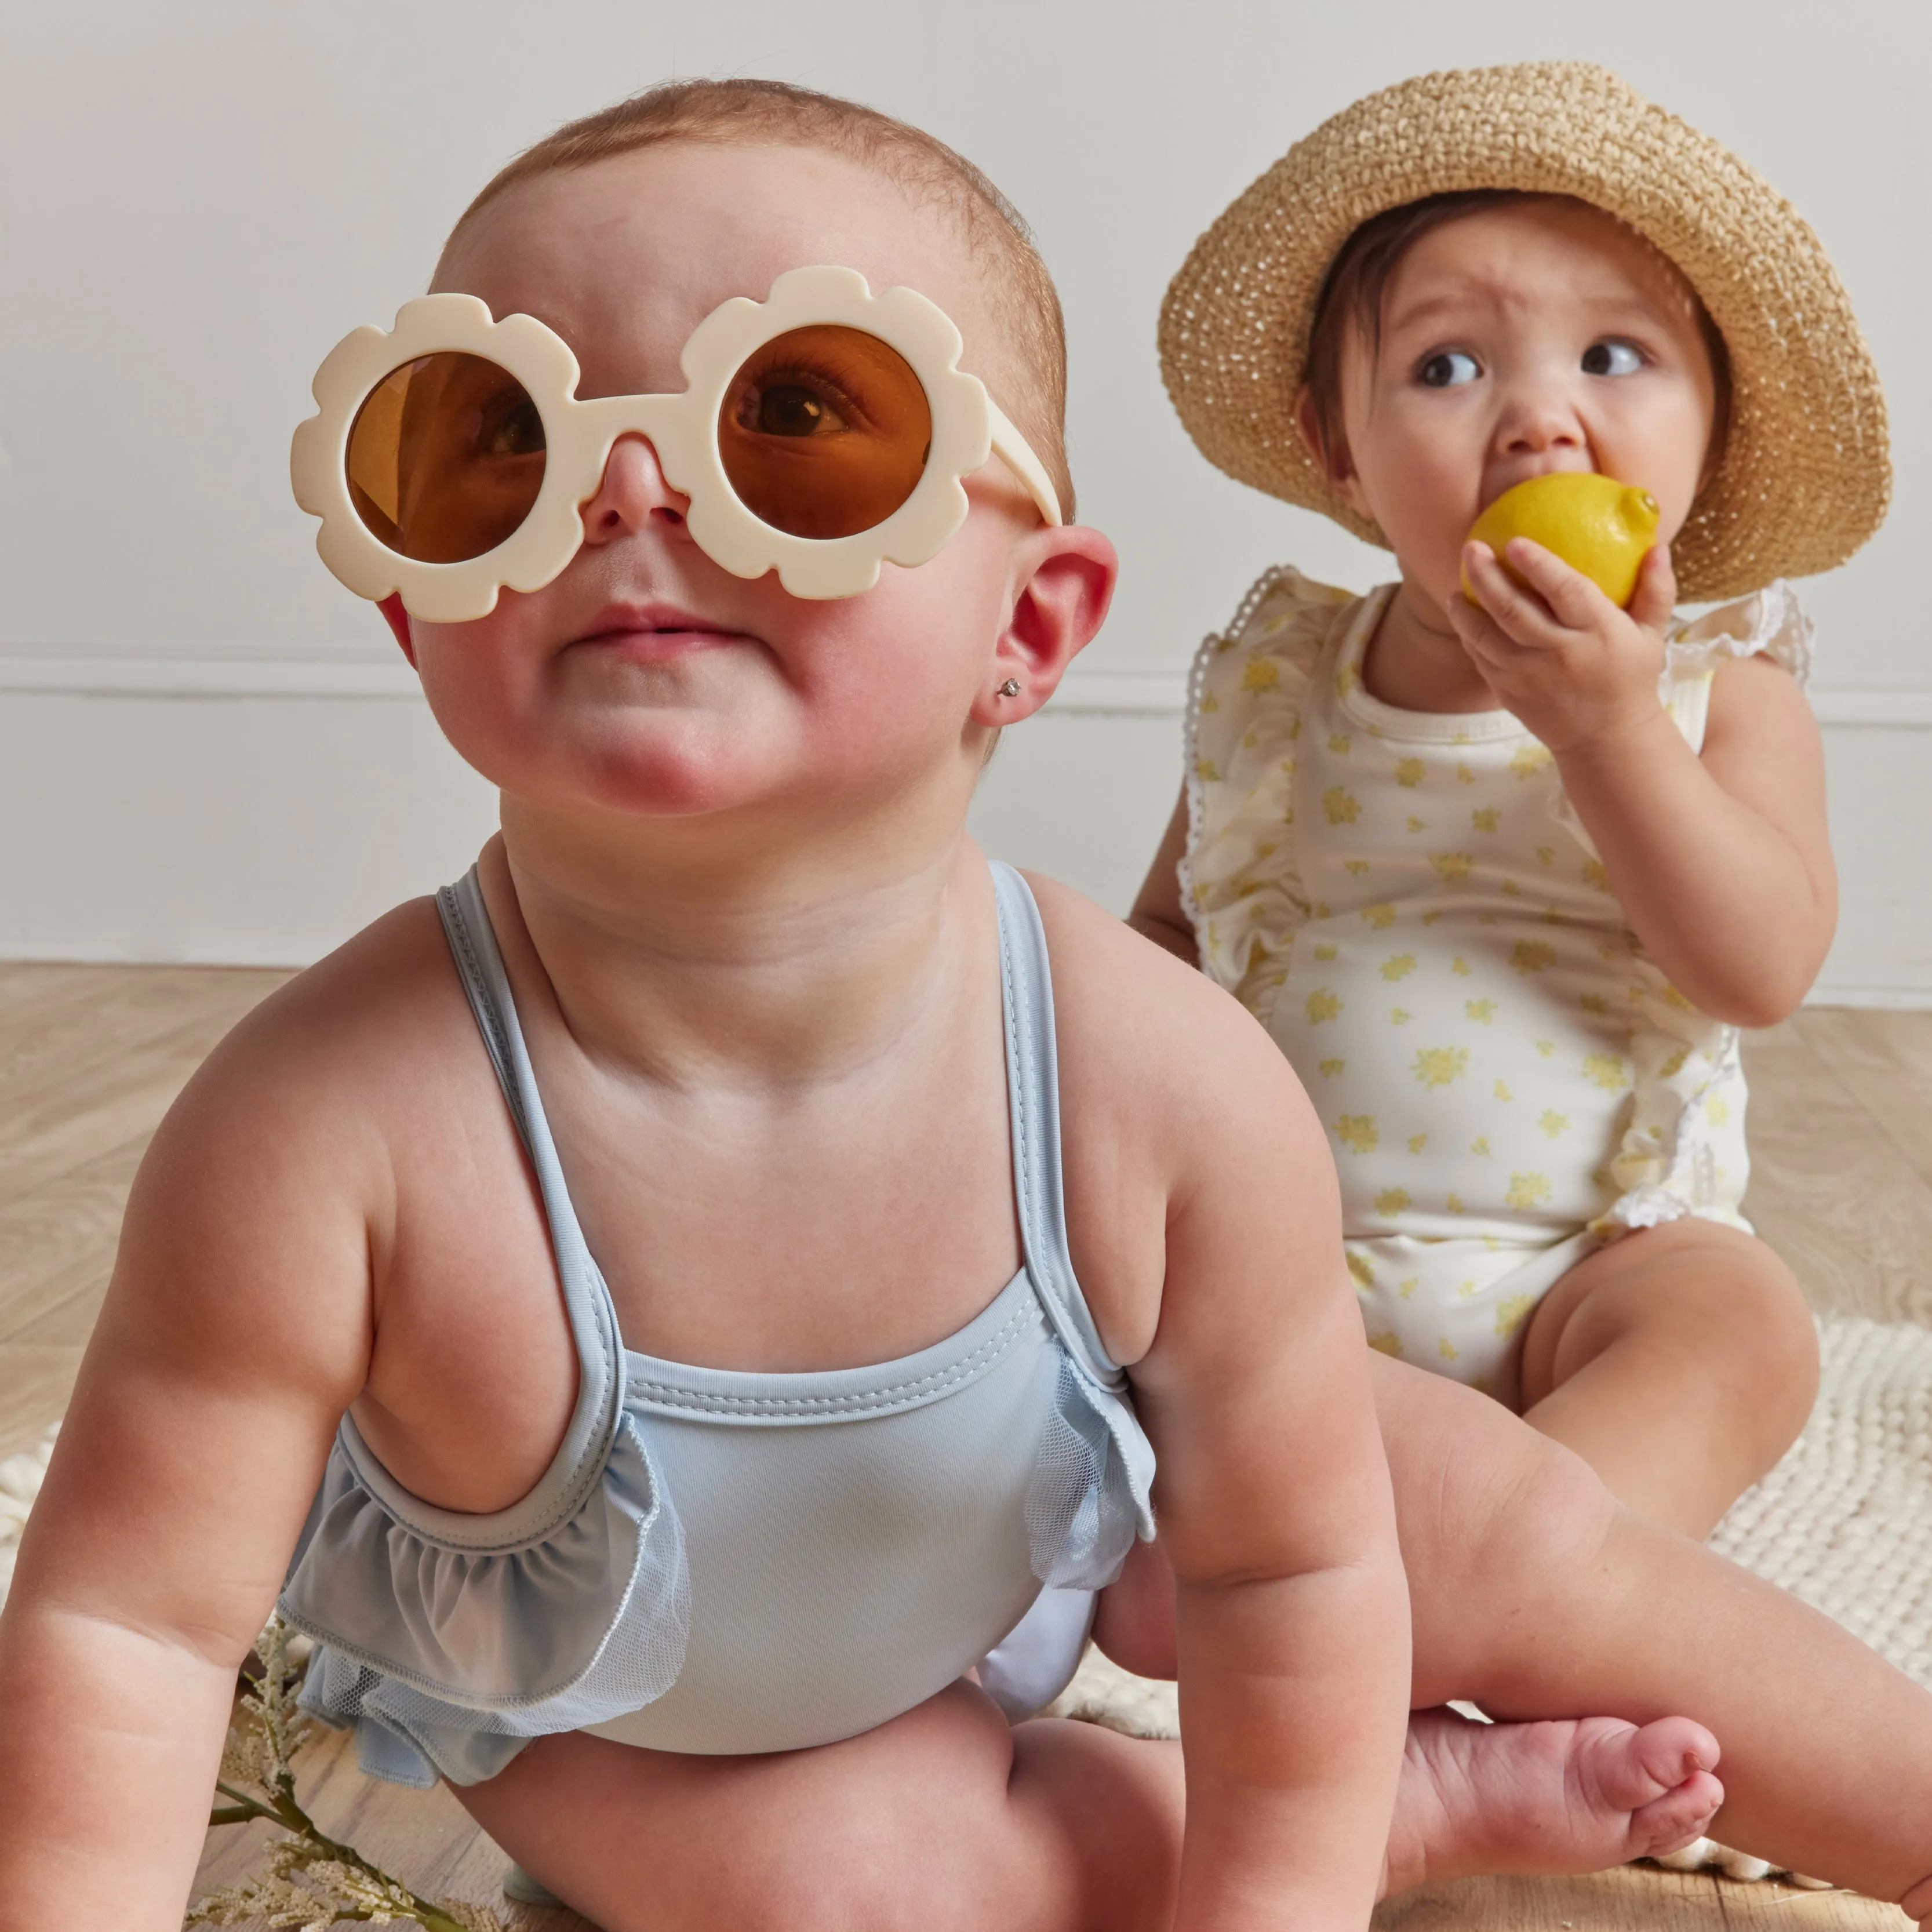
1613,358
518,430
789,408
1448,369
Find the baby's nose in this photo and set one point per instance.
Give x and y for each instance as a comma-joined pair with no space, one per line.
632,493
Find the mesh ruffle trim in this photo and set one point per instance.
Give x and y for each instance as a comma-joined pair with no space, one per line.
448,1661
1090,1494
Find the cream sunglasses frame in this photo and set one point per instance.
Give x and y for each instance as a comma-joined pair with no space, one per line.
968,427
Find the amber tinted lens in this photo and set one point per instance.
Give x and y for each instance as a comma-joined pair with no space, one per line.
445,457
824,431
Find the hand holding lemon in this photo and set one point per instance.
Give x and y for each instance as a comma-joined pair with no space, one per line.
1599,526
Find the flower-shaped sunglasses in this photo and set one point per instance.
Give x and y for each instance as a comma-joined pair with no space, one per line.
821,433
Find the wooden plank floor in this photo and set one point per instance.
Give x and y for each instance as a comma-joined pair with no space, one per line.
91,1056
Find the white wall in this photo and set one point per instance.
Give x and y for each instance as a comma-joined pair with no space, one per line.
205,752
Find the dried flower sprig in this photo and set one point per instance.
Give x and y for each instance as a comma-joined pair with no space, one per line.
312,1880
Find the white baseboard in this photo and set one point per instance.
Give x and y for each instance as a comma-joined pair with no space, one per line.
256,810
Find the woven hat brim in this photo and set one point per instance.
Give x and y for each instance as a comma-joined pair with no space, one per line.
1806,476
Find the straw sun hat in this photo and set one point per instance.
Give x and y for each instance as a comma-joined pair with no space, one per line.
1806,475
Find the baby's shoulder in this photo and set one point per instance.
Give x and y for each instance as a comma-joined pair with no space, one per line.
1145,1040
311,1094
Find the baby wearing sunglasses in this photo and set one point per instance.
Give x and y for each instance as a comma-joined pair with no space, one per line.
691,1318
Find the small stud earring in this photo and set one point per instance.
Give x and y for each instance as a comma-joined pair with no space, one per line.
1011,688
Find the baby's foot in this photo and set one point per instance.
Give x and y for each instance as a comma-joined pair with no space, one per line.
1571,1797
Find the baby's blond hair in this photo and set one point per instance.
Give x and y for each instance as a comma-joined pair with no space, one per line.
1025,302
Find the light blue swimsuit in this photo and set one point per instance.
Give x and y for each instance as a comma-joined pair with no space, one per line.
725,1562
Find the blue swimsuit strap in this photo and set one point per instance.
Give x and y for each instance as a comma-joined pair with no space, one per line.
594,1421
1033,1082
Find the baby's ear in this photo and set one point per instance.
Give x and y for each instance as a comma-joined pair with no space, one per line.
398,621
1061,603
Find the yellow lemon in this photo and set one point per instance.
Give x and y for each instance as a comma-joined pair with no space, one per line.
1597,525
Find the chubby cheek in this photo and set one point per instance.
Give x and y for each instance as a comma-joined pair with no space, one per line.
1425,492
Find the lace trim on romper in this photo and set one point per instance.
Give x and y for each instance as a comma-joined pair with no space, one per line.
1683,1151
449,1640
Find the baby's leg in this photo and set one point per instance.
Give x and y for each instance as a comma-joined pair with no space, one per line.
943,1819
1536,1595
946,1818
1680,1363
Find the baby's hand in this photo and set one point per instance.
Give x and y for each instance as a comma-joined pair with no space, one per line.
1558,653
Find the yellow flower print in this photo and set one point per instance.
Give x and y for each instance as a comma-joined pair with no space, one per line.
1432,916
1596,873
1532,956
1438,1066
1673,997
1359,1267
1410,772
1356,1133
1338,743
1481,1011
1486,819
1322,1006
1607,1070
1466,1291
1399,968
1527,1191
1459,966
1345,680
1463,774
1481,1144
1358,866
1399,1016
1392,1200
1207,771
1674,1065
1553,1124
1406,1289
1593,1003
1450,866
1249,739
1454,1202
1416,824
1545,1047
1388,1342
1447,1349
1547,853
1324,951
1529,759
1417,1142
1295,727
1261,674
1382,917
1339,807
1512,1312
1503,1092
1511,889
1276,625
1330,1068
1717,1111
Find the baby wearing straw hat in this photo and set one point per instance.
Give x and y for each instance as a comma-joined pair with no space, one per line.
1503,866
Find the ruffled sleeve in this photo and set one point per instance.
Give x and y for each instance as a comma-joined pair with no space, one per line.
448,1651
1768,623
1239,879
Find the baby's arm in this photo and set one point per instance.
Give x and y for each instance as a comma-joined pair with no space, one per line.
1722,862
1275,1507
235,1331
1158,913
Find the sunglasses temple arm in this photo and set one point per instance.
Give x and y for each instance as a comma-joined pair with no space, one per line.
1013,450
